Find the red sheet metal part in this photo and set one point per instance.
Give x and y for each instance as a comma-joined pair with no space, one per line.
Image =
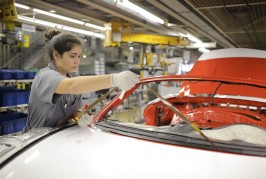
190,79
157,115
249,70
213,117
233,80
246,68
208,88
204,115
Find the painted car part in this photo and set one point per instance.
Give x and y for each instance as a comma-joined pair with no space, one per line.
96,154
208,113
176,111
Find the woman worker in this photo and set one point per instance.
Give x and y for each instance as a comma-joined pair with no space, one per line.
56,90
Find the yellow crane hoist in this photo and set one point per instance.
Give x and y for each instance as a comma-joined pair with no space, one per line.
116,33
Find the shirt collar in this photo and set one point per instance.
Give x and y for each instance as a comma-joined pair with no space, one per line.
52,66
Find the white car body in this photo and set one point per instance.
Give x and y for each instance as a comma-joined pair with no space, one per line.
90,153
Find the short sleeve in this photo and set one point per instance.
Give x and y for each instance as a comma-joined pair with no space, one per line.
46,84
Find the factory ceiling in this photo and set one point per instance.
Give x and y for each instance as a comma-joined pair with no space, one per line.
229,23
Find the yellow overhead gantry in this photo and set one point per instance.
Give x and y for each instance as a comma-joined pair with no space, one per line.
116,33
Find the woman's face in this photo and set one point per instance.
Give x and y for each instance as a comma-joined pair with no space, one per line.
69,61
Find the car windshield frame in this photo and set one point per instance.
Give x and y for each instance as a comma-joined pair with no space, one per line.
238,147
123,95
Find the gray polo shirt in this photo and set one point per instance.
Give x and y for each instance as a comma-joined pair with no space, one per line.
46,108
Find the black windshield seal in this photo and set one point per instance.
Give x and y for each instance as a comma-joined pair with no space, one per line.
180,140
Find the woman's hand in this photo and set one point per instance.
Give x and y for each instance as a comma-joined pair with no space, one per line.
85,120
125,80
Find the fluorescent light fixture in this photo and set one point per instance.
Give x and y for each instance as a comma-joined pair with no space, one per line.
203,50
85,32
22,6
59,16
181,34
107,27
94,26
40,22
51,13
60,26
170,25
194,39
147,15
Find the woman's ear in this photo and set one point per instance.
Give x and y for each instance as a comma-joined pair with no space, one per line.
56,55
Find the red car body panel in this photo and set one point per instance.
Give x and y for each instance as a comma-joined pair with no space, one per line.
240,76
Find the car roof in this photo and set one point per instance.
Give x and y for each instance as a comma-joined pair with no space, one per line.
233,52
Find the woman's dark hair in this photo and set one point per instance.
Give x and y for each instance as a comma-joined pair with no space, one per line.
60,41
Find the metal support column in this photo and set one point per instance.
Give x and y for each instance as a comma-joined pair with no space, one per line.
1,46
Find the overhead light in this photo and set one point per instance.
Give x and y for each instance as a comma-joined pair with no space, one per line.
22,6
147,15
107,27
203,50
60,26
85,32
170,24
59,16
194,39
94,26
203,44
52,11
181,34
40,22
199,44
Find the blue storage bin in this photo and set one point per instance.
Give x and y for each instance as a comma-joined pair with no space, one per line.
30,74
18,74
11,96
6,74
7,99
20,97
11,122
27,98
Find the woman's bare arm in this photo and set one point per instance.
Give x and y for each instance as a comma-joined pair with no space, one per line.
83,84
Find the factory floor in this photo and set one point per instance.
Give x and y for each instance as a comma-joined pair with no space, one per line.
132,115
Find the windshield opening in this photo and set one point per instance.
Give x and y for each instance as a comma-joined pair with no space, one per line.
226,113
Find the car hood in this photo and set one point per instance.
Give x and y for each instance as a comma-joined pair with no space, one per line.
91,153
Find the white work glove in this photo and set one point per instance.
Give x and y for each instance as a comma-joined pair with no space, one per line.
124,80
85,120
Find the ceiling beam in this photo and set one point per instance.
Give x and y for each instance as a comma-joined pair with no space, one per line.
183,20
215,27
230,5
254,22
176,16
113,10
243,32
